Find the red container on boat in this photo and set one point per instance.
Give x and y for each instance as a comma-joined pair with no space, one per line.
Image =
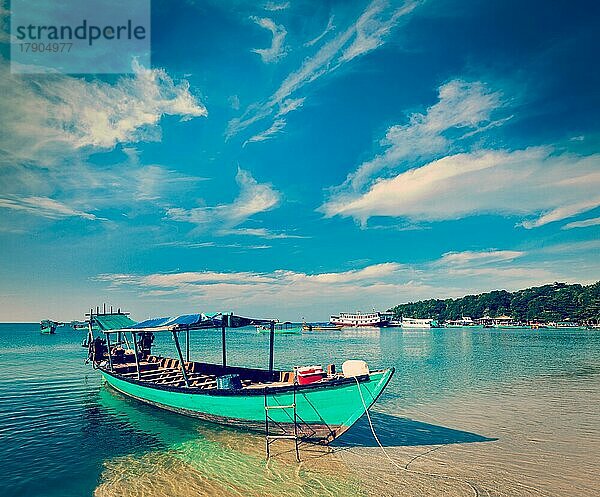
309,374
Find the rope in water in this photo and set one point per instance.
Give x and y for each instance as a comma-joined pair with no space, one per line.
405,467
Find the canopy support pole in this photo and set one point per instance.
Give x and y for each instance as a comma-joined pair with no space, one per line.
271,345
137,359
109,354
224,345
181,363
126,340
187,344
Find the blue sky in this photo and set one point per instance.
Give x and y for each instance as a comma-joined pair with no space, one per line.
297,159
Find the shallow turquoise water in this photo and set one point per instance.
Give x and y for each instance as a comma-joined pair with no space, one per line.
62,433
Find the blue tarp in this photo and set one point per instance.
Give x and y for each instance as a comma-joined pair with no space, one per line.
183,320
198,321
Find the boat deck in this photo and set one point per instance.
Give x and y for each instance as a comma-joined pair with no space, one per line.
167,371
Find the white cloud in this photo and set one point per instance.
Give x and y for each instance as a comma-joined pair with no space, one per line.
46,119
330,27
595,221
275,6
289,105
43,207
534,184
276,128
53,123
277,49
261,233
461,105
362,36
241,288
253,198
372,27
469,257
316,295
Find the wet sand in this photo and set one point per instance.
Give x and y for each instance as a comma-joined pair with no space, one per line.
547,444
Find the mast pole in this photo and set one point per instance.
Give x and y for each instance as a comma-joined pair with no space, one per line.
187,344
271,345
223,344
181,363
137,359
109,354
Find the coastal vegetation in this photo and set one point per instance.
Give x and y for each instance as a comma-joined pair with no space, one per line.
555,302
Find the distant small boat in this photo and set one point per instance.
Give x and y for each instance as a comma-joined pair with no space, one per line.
48,327
281,329
394,323
320,327
359,319
460,323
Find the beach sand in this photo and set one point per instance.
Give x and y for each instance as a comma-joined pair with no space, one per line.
547,444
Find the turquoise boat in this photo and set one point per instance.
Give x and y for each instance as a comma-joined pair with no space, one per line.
48,327
281,401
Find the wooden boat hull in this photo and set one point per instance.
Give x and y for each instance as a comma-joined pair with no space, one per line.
325,412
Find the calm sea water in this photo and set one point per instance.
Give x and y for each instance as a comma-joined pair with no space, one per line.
513,412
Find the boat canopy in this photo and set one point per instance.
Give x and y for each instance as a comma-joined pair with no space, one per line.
185,322
108,322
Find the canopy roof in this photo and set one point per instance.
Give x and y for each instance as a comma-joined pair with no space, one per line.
107,322
182,322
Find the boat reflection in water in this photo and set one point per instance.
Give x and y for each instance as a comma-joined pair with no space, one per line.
189,457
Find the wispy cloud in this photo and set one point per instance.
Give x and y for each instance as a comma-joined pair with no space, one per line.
275,6
261,233
252,199
330,27
290,105
43,207
464,106
186,244
595,221
536,184
274,129
277,48
365,34
469,257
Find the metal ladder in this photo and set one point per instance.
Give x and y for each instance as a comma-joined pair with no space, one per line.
285,435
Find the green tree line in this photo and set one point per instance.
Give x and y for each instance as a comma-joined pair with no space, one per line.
556,302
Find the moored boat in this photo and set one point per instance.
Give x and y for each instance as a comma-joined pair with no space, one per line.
359,319
419,323
280,329
325,403
320,327
48,327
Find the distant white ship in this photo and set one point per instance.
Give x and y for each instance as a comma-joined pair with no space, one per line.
357,319
460,323
419,323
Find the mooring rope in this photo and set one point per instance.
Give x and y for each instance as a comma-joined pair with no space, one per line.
405,467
